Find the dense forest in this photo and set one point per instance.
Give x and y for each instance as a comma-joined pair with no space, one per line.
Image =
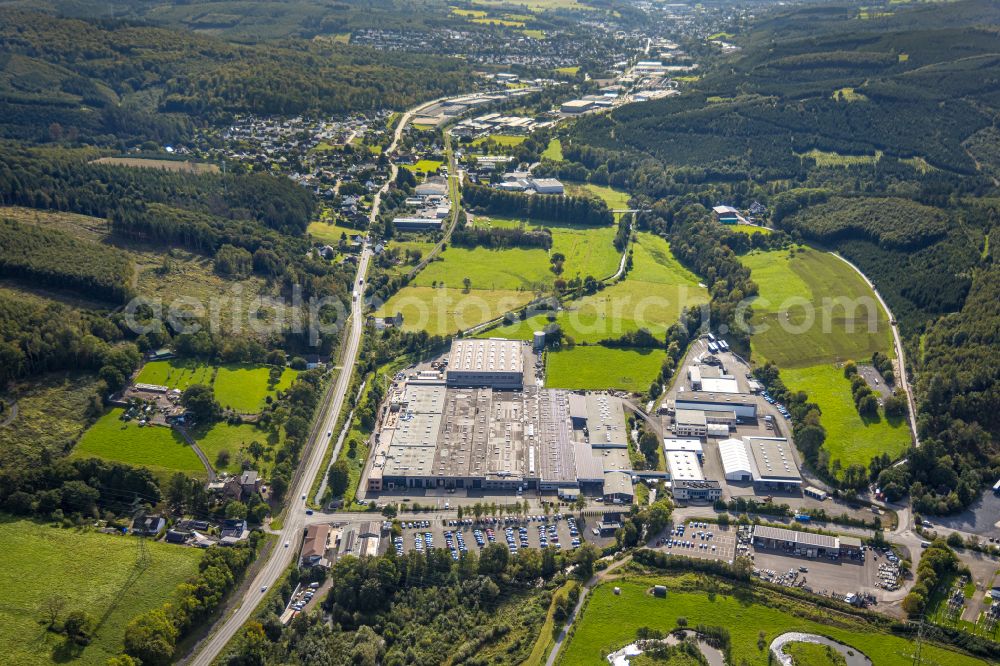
110,81
553,208
877,141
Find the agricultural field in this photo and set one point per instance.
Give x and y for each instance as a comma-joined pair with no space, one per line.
652,296
92,572
748,229
511,269
52,412
536,6
166,165
597,368
614,198
609,622
506,140
850,438
158,448
553,151
806,285
176,373
442,311
571,71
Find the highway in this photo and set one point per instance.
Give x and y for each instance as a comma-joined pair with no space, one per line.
295,517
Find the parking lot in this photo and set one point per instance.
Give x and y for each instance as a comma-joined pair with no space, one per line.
467,535
702,540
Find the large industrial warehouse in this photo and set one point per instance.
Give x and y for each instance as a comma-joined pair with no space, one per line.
478,425
766,461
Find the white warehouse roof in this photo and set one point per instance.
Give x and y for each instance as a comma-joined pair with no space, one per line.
735,460
692,445
683,466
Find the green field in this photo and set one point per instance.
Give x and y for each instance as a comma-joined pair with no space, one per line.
443,311
571,71
748,229
243,388
331,233
609,622
615,199
157,447
588,250
812,286
814,654
849,437
501,140
652,296
93,572
553,151
511,269
424,166
596,368
825,159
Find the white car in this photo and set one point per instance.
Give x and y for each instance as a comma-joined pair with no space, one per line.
264,588
287,543
329,433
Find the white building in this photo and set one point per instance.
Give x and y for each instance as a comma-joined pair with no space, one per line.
683,466
690,445
547,186
735,460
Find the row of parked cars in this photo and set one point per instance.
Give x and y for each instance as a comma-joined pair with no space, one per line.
780,407
303,597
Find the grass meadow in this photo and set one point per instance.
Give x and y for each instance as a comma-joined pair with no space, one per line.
93,572
849,437
511,269
157,447
441,311
331,233
233,439
553,151
241,387
610,622
593,367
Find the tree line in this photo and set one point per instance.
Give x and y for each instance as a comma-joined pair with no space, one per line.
554,208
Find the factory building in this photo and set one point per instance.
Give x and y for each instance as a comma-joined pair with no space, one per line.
684,466
735,460
743,406
492,362
804,544
773,464
690,445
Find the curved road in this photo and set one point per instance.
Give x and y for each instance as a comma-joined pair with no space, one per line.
898,342
295,518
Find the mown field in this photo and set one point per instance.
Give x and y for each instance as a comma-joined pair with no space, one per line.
511,269
652,296
819,313
614,198
441,311
610,622
233,440
813,308
243,388
167,165
330,233
157,447
92,572
596,368
553,151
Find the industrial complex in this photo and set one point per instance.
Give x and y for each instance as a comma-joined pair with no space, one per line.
475,423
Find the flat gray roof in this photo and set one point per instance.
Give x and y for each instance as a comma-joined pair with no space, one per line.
606,420
489,355
619,483
690,417
771,458
589,467
807,539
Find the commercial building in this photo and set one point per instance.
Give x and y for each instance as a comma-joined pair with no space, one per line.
719,385
696,491
691,445
742,405
606,426
684,466
618,488
694,376
727,214
803,544
576,106
735,460
547,186
773,465
418,223
717,430
315,545
690,423
492,362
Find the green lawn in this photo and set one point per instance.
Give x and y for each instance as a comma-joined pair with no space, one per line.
424,166
93,572
331,233
814,654
553,151
245,388
501,140
748,229
849,437
609,622
615,198
596,368
156,447
652,296
241,387
816,310
176,373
